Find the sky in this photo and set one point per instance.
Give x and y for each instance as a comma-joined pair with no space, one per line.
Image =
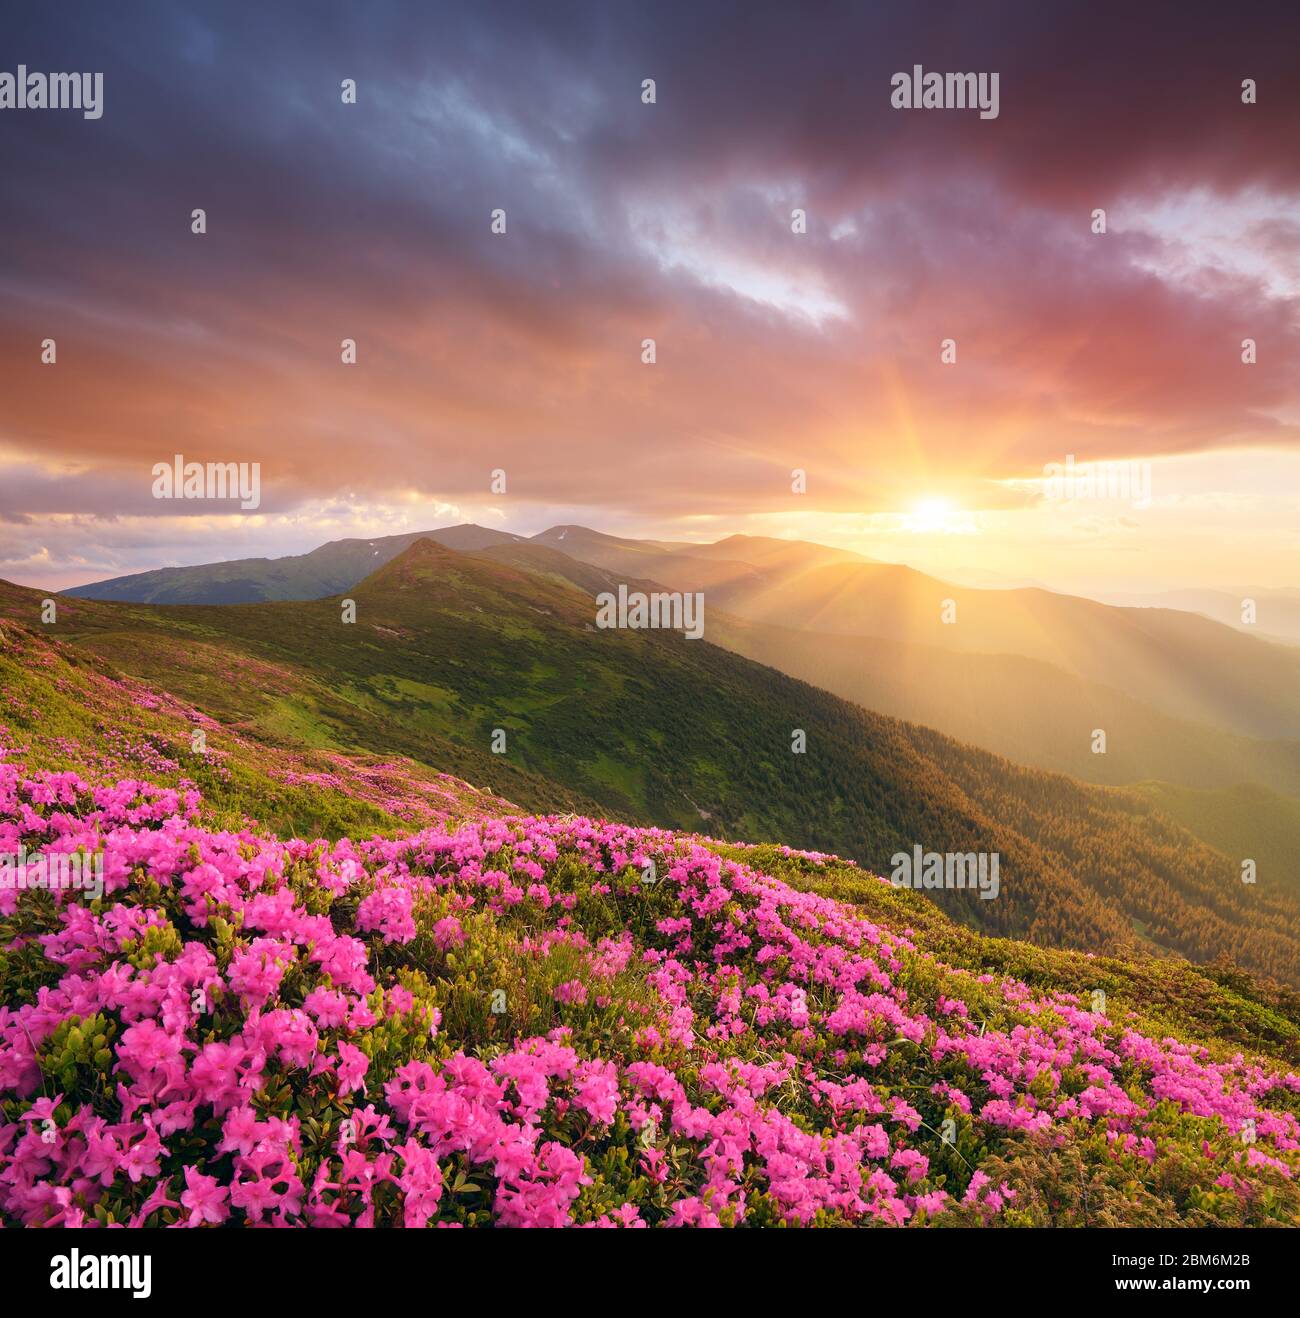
776,350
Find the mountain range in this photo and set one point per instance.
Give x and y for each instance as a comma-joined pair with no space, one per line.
452,652
326,570
1027,673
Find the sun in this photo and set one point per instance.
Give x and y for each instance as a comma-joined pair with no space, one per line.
930,515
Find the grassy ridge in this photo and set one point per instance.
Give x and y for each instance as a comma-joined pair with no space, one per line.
447,649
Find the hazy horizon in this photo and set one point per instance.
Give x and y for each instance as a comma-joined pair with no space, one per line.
295,541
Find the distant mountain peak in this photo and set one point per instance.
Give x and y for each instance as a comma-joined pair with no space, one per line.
423,552
329,569
572,530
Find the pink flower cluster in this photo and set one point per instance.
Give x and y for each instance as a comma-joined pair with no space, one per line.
269,1023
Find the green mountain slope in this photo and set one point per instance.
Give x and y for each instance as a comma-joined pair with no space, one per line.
1247,821
448,650
1031,711
66,709
1026,673
1179,664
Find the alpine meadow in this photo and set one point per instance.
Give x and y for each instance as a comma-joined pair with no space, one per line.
675,616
